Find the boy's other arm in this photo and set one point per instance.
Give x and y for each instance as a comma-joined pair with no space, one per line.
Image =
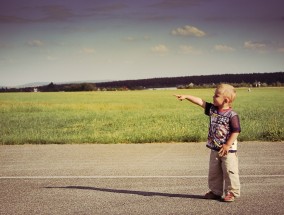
193,99
226,147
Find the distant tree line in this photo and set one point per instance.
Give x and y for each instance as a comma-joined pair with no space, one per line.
55,88
271,79
68,87
201,81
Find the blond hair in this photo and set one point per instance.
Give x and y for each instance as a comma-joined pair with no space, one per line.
228,91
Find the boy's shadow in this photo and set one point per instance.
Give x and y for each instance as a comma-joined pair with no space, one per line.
133,192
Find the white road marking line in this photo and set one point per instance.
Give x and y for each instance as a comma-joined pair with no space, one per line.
125,177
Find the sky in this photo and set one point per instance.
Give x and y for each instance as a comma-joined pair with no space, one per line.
101,40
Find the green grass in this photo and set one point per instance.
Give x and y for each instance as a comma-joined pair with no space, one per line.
131,116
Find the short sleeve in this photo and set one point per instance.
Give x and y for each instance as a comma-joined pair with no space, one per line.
207,108
235,124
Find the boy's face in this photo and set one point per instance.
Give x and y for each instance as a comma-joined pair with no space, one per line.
218,98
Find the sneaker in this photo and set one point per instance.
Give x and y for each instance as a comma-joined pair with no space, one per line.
229,197
211,195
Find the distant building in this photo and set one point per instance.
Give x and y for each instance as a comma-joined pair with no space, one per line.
191,85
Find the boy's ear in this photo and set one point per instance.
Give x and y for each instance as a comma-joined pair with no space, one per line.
226,100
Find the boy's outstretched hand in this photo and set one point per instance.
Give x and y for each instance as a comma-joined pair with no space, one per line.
180,97
193,99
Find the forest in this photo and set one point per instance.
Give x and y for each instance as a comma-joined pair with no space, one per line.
197,81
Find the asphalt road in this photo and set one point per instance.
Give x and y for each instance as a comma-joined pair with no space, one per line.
134,179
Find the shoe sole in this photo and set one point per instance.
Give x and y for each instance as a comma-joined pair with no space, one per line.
229,200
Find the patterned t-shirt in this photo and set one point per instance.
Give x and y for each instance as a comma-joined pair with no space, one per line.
222,124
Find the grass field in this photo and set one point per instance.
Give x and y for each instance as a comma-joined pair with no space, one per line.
131,116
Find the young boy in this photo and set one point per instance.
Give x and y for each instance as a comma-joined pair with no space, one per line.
224,129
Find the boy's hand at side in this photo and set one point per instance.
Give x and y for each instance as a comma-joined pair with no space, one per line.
224,150
226,147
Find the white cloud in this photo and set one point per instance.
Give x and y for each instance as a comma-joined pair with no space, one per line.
51,58
186,49
188,31
146,37
132,39
160,49
2,45
223,48
129,39
6,60
281,50
254,45
87,50
35,43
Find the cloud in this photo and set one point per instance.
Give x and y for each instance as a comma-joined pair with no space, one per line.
51,58
35,43
109,7
6,60
281,50
3,45
254,45
56,13
146,37
188,31
47,13
87,51
158,17
169,4
134,39
223,48
160,49
12,19
129,39
186,49
264,46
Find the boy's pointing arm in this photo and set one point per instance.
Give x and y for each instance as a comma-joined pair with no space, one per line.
195,100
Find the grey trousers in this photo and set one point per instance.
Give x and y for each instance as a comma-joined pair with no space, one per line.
224,174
